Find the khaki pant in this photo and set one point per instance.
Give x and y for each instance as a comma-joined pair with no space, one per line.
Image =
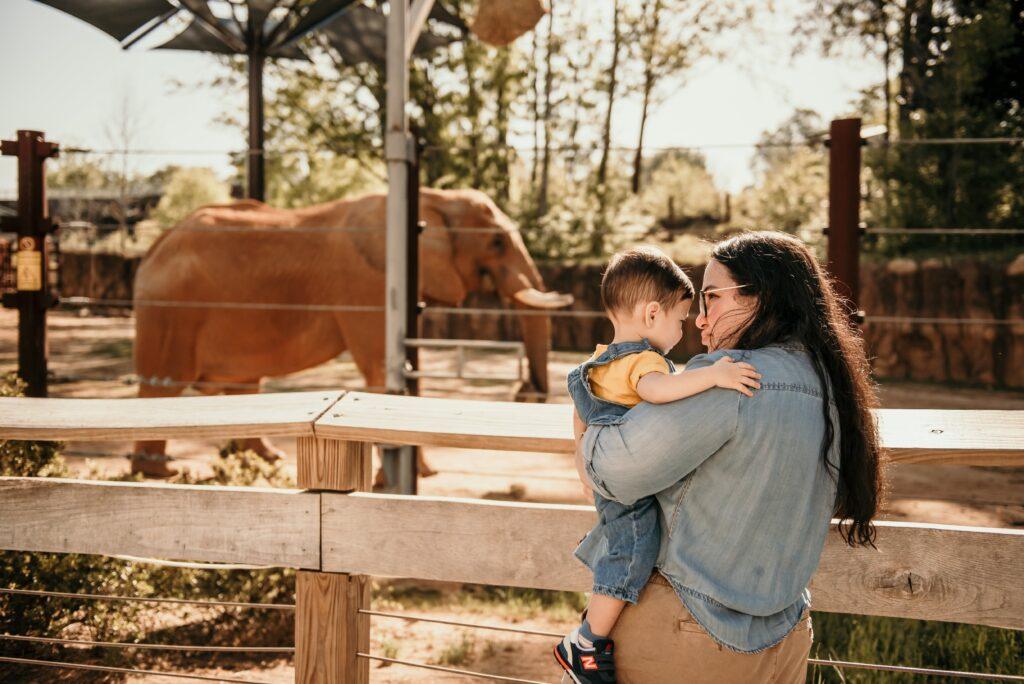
657,641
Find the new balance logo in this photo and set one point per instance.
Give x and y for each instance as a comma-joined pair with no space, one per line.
588,662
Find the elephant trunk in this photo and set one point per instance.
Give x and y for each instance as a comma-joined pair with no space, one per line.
537,339
523,288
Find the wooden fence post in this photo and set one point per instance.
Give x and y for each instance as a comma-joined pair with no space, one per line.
844,209
329,629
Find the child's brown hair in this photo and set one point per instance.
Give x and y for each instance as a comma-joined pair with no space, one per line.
643,274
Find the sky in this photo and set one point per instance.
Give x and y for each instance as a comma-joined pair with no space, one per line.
68,79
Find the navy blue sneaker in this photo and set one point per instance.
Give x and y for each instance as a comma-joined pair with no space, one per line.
587,667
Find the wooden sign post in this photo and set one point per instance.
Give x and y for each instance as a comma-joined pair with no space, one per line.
32,297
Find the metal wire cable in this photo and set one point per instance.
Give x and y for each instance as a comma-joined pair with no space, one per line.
524,476
954,141
652,149
154,381
468,311
943,321
456,623
84,225
189,564
141,599
87,301
124,670
450,670
914,670
178,304
944,231
154,647
165,151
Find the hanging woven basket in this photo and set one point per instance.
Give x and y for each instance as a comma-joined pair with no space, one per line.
499,22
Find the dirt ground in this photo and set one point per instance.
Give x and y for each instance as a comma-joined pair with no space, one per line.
91,355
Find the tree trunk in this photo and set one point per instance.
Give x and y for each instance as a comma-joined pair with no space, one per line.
597,243
542,196
649,77
535,93
606,135
638,157
501,114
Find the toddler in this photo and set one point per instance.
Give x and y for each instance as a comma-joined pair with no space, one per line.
647,297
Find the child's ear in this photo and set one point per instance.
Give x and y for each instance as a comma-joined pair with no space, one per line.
650,312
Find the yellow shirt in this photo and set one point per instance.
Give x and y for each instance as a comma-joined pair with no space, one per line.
617,381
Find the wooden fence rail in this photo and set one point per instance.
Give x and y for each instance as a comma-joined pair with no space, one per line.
337,534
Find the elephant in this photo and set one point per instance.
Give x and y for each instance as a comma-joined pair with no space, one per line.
250,252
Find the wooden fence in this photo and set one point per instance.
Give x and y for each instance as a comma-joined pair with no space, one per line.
337,534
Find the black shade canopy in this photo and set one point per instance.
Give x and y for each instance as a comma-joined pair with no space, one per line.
119,18
258,29
271,28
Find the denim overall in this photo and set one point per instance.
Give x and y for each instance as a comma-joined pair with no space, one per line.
628,536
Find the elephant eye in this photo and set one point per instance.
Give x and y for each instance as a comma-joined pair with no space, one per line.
498,243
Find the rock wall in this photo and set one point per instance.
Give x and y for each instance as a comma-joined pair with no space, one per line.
933,350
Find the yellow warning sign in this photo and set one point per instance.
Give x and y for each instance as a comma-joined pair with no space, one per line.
30,269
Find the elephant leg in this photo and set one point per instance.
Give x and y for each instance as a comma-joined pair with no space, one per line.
260,445
148,456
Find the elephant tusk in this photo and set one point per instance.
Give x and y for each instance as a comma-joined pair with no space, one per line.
533,297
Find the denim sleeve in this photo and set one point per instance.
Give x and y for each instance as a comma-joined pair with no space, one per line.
659,444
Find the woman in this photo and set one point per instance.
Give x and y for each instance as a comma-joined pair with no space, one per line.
746,486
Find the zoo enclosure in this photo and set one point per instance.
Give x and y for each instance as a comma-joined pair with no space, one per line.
338,535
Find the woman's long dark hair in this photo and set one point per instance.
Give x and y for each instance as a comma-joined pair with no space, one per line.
797,302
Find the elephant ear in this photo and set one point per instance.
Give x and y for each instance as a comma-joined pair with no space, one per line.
439,276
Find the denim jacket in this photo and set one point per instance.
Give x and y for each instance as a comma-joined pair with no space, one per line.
594,410
745,499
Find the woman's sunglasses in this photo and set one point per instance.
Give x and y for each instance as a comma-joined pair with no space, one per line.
702,301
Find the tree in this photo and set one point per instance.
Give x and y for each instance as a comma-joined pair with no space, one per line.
187,190
668,37
958,67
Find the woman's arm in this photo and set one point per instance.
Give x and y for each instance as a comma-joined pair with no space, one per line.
658,444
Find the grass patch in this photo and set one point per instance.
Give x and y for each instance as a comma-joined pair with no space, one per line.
916,643
458,654
114,349
508,602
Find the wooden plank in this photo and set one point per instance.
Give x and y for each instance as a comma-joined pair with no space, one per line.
329,630
933,572
994,438
424,421
245,415
181,522
910,435
331,464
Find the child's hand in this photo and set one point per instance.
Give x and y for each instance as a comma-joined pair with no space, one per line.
741,377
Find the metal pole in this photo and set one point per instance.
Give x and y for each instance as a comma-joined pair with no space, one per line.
844,209
398,463
413,228
33,292
412,298
254,157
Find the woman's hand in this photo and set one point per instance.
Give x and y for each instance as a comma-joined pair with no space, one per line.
742,377
579,428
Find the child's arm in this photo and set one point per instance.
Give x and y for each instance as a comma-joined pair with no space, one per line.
578,428
661,388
